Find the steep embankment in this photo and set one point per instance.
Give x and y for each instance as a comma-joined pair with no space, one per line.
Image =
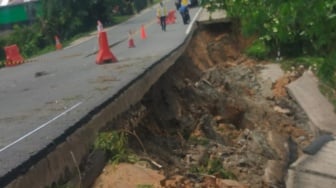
211,117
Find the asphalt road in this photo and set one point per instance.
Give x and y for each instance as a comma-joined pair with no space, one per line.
42,99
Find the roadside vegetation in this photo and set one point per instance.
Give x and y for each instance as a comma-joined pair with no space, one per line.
299,33
68,20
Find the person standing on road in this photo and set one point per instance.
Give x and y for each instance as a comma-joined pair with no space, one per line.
162,14
100,27
177,4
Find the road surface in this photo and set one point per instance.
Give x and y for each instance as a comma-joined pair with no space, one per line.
43,99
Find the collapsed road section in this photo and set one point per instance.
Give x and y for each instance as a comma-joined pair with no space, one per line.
77,142
216,118
208,117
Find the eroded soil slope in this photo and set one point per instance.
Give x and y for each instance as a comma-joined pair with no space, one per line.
211,118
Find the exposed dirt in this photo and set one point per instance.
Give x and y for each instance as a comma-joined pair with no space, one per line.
207,120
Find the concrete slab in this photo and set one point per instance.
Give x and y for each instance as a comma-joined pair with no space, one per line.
269,75
309,171
307,180
272,71
306,92
314,170
212,17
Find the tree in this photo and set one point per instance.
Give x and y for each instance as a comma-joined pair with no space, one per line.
300,26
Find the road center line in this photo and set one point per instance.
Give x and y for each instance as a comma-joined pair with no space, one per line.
193,20
40,127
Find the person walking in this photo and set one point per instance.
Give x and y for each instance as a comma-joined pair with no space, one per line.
162,14
100,27
184,11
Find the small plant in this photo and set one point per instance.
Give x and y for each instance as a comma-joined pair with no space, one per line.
113,143
216,168
199,140
258,50
213,167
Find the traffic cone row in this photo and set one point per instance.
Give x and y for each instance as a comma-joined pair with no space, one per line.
104,54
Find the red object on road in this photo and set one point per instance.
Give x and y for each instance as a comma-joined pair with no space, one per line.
131,43
58,44
143,34
13,56
171,18
104,54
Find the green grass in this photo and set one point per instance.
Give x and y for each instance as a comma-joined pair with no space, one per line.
119,19
306,61
212,167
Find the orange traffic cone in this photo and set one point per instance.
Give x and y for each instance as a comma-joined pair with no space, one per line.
58,43
104,54
143,34
130,40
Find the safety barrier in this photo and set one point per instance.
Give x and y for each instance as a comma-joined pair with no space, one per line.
13,56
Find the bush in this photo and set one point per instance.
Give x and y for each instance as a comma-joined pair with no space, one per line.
258,50
2,51
327,71
140,4
305,61
114,145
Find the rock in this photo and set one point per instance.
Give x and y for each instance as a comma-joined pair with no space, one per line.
172,181
274,174
188,158
281,110
279,143
266,89
301,139
225,183
243,162
259,145
247,133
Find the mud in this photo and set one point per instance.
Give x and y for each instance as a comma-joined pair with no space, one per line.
210,110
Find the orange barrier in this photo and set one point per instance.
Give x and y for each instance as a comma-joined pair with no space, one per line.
104,54
13,56
58,43
143,34
170,18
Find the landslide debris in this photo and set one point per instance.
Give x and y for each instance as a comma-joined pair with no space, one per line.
208,122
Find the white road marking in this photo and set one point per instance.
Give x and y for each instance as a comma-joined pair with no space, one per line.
193,20
40,127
